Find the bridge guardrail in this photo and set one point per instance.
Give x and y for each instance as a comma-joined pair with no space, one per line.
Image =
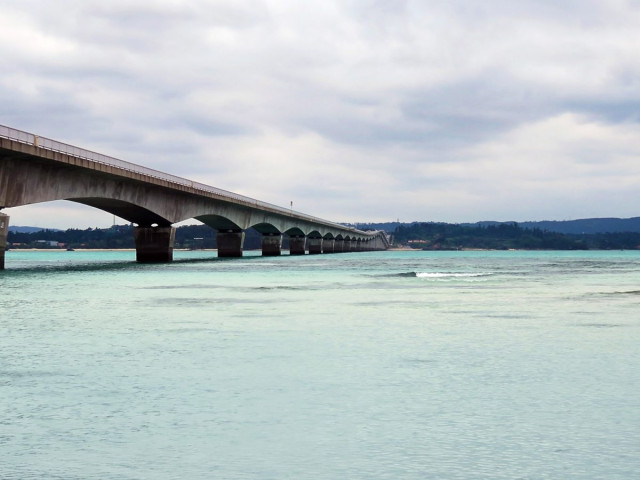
55,146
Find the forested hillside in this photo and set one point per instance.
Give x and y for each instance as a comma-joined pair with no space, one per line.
574,227
428,235
500,236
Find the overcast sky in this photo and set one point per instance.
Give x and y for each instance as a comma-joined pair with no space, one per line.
355,110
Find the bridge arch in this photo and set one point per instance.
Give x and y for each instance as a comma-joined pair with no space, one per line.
295,232
218,222
266,229
128,211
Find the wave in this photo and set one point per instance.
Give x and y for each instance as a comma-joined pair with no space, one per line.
626,292
440,274
450,275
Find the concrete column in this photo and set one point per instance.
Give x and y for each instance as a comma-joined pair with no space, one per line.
296,245
4,231
327,245
230,243
347,246
338,246
154,244
315,245
356,247
271,245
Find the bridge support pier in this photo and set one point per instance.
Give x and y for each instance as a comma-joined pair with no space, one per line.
230,243
338,246
271,245
328,245
154,244
346,247
4,231
315,246
297,245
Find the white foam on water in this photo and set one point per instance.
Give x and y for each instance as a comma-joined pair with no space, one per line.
450,275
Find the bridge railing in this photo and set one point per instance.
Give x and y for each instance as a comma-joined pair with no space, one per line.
55,146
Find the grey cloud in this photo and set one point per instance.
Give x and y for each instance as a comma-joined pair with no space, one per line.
385,87
611,111
446,117
469,112
208,127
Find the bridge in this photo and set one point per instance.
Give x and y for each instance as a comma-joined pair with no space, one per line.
36,169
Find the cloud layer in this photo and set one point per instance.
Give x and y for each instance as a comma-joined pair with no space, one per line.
357,110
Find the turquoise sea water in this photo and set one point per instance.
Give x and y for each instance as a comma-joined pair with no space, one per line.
389,365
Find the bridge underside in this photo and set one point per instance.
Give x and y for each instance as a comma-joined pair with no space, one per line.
124,210
27,179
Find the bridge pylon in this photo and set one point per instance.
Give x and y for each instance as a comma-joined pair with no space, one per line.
4,231
297,244
154,244
272,244
230,243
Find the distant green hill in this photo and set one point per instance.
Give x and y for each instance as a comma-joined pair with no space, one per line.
508,235
18,229
501,236
576,227
588,225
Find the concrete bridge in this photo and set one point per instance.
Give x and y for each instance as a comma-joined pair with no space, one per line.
35,169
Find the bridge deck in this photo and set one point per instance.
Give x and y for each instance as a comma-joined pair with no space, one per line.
36,169
24,143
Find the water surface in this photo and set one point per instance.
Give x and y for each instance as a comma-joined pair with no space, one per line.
386,365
